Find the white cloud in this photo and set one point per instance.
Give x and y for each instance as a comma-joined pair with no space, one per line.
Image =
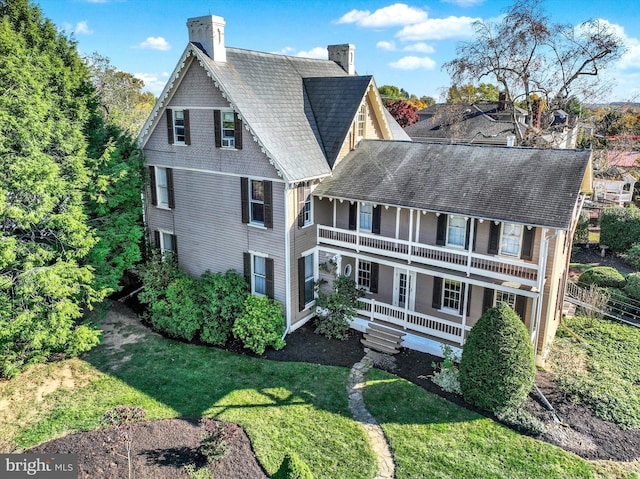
286,51
415,47
438,29
393,15
413,63
82,28
318,52
154,43
153,82
464,3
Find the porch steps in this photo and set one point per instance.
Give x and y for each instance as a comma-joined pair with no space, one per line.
382,339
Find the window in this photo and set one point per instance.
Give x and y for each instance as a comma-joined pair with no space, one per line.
361,121
366,215
508,298
259,276
166,243
161,186
305,205
306,281
364,274
510,240
228,129
179,126
256,202
451,295
456,231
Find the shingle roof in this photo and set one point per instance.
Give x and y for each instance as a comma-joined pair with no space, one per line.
524,185
334,103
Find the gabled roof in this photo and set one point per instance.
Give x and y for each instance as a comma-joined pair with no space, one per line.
536,187
334,103
279,99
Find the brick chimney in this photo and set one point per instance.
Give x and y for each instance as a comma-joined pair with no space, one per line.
343,56
208,31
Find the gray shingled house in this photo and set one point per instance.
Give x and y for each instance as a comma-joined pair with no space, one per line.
274,165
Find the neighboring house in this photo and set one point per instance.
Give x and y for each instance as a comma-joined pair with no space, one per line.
274,165
614,181
488,123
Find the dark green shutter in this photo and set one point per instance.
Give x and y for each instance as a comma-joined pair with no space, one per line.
238,132
521,305
487,301
353,215
528,236
494,238
169,114
441,231
436,302
301,202
170,192
244,193
375,225
156,239
467,233
217,128
268,204
152,182
269,268
246,257
375,271
187,133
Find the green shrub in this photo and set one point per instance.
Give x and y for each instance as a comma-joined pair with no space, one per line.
222,297
337,308
632,286
581,235
620,228
261,324
497,368
521,420
292,467
632,256
213,445
602,276
446,373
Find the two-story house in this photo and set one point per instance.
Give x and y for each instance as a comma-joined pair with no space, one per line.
273,165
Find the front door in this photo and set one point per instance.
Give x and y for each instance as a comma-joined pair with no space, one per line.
404,289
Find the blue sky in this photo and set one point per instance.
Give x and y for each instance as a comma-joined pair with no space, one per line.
401,44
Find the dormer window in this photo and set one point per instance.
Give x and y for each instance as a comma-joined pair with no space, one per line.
361,122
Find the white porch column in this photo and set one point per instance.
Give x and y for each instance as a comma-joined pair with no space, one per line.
470,249
410,247
397,222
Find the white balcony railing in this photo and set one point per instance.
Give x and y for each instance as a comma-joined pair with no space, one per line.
495,267
413,321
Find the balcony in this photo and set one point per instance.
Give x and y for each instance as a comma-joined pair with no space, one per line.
496,267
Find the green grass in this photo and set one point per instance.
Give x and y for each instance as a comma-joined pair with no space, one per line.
609,379
433,438
284,407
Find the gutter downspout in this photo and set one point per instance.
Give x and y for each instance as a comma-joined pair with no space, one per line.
287,262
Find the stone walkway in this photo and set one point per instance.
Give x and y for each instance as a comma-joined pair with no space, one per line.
355,387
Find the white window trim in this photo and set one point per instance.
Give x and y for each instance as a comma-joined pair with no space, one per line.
498,292
464,241
307,188
252,222
163,250
175,128
358,270
313,278
517,253
222,129
361,119
360,228
161,205
253,274
446,309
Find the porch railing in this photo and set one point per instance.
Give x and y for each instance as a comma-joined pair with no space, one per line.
414,321
458,260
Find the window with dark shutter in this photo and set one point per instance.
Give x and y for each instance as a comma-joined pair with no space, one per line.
187,132
156,240
217,128
441,231
436,302
528,236
377,215
169,115
268,204
238,133
152,182
353,215
244,193
375,270
270,285
494,238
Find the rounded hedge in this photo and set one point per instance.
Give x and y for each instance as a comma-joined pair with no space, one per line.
602,276
632,286
497,368
632,256
293,467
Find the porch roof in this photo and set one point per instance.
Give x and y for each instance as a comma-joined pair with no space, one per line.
531,186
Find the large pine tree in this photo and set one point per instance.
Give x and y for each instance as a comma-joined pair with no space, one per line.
52,192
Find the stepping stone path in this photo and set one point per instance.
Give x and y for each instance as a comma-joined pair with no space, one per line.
355,388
